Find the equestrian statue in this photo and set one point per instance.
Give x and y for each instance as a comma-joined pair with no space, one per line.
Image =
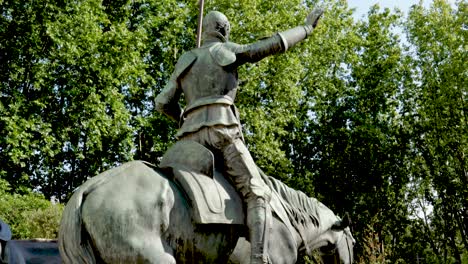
207,201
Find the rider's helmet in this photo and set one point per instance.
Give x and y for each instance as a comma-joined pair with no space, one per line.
216,24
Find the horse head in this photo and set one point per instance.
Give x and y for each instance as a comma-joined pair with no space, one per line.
339,243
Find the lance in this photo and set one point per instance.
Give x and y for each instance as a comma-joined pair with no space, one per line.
200,21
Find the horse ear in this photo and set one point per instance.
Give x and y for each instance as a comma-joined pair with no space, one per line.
346,220
340,225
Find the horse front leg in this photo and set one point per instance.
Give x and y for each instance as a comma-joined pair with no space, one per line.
282,247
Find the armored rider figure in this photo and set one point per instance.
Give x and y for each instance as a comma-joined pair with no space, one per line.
208,78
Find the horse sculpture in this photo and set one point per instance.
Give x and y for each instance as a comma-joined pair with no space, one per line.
137,213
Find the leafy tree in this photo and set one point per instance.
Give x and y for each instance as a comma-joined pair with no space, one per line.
439,126
356,163
77,85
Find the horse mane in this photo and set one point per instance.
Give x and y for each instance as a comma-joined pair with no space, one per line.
301,209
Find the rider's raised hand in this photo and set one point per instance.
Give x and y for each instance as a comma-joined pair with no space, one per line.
313,19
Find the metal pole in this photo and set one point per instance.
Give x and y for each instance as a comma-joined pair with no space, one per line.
200,21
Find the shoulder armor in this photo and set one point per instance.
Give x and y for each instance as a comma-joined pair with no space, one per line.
185,61
222,55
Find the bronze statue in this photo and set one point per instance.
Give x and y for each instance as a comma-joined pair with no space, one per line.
208,78
185,210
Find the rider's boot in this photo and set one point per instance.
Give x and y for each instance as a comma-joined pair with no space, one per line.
258,221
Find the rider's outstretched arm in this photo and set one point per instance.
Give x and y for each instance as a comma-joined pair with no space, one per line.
280,42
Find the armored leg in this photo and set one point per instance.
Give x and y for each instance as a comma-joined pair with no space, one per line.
246,179
244,173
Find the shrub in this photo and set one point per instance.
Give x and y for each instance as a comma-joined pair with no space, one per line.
29,215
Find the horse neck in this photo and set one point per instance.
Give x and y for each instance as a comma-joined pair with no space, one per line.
311,218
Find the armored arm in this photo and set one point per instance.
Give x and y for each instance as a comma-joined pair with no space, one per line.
258,50
167,102
277,43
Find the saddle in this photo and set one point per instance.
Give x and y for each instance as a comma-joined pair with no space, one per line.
213,199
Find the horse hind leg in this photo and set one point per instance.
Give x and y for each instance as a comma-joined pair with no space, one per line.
153,250
151,245
135,241
135,222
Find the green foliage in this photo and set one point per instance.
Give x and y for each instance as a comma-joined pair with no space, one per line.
351,122
77,82
29,215
437,103
368,120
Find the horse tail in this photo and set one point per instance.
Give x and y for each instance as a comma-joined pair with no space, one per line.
75,244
